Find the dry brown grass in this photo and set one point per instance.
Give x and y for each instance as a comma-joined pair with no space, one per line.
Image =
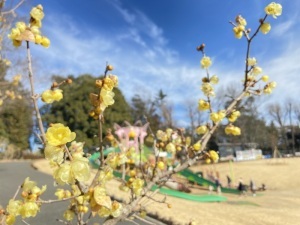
279,205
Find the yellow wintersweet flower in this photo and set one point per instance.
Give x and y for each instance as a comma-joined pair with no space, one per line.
112,160
267,90
207,89
238,31
230,129
273,84
251,61
45,42
14,33
29,209
28,184
107,97
214,117
256,70
80,169
37,12
213,156
201,129
265,28
236,131
171,147
62,174
234,115
35,30
197,146
114,78
54,153
240,20
137,186
60,193
108,84
104,212
13,207
217,116
269,87
207,160
101,199
16,79
214,79
205,62
273,9
10,219
58,134
265,78
161,135
50,96
76,149
21,26
38,38
116,209
222,114
69,215
203,105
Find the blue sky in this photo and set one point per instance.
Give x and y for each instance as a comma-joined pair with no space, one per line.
152,45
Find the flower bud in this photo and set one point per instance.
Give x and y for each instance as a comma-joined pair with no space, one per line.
109,67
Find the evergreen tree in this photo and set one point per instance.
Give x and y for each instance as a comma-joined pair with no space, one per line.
15,114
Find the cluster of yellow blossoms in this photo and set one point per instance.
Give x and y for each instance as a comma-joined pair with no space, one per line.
68,172
254,71
208,90
170,141
96,199
29,206
105,97
273,9
77,169
54,94
31,32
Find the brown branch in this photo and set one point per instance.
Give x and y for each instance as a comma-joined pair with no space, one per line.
56,200
35,96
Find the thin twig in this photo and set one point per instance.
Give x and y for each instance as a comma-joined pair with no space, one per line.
25,222
62,221
56,200
18,189
14,8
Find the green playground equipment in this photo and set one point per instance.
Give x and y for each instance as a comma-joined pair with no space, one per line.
191,176
183,195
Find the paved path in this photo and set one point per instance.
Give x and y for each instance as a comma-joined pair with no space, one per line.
13,174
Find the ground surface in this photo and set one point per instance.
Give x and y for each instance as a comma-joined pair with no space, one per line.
279,205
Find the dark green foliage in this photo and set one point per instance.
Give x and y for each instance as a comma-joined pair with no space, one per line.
16,121
73,110
15,114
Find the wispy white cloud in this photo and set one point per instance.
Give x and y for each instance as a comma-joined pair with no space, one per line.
283,28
